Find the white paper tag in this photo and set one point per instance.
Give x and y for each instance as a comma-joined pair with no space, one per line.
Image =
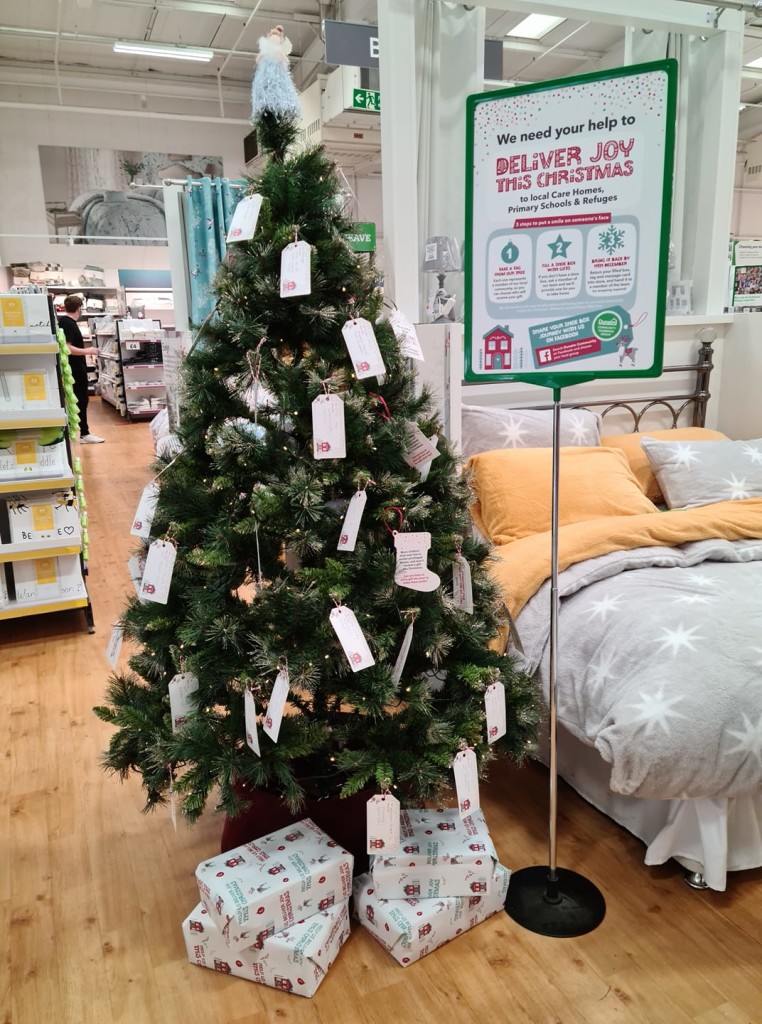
420,449
244,221
157,575
181,687
114,648
462,591
411,570
295,273
466,782
383,824
328,436
250,712
141,524
274,713
407,336
352,518
494,706
363,348
424,467
136,565
351,638
399,665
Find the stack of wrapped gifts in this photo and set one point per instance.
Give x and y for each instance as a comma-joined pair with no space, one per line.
444,879
274,911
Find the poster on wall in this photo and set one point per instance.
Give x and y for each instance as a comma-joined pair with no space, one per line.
747,285
568,206
88,199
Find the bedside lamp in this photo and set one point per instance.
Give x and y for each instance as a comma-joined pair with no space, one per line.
441,256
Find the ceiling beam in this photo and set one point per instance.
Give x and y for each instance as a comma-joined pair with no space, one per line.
116,111
89,40
227,10
532,46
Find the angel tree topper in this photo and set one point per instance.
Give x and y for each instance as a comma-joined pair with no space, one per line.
273,90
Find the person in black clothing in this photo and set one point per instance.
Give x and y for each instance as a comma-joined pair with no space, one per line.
77,352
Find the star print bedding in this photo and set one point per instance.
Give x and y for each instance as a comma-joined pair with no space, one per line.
660,627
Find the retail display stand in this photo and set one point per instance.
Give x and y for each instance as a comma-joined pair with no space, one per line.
131,366
98,301
43,522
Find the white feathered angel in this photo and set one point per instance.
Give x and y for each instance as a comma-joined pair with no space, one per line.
273,90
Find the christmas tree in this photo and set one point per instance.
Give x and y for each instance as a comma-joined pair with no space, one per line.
285,436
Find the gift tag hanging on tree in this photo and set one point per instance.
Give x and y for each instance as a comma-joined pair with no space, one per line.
466,781
406,335
494,708
462,590
276,706
399,665
295,272
141,524
351,525
351,638
250,714
244,221
363,348
424,467
157,575
181,687
411,570
328,434
383,817
420,449
114,648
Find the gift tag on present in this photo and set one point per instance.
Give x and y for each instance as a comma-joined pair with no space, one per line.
420,449
424,467
244,221
295,272
351,525
181,687
363,348
157,575
411,570
250,713
466,782
399,665
352,639
114,648
462,591
407,336
328,435
141,524
276,707
494,706
383,824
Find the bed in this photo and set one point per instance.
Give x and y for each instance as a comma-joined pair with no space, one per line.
660,626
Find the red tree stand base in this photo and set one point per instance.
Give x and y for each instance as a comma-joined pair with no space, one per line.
343,820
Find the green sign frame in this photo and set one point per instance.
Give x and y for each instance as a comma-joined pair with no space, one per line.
572,317
362,237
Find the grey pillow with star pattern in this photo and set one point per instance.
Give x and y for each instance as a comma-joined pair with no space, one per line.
487,428
692,474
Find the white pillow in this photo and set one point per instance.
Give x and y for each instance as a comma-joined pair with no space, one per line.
700,474
487,428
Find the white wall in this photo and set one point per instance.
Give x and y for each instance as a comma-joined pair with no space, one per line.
740,406
22,201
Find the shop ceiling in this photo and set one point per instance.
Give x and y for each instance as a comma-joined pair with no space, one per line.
61,52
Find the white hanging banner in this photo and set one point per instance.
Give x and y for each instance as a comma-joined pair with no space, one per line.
466,782
363,348
328,434
295,271
250,713
276,707
114,648
407,336
494,707
181,687
141,524
351,638
411,570
420,449
399,665
244,221
383,817
462,590
157,575
350,528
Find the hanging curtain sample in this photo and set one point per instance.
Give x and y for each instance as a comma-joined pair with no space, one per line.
209,205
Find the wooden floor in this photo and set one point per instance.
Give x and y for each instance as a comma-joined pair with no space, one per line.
92,892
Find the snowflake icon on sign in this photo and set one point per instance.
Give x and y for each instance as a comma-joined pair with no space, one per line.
610,240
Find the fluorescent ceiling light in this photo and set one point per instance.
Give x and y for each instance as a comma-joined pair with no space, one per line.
756,63
164,50
535,26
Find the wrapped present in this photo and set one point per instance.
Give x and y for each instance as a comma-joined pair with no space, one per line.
410,929
440,854
269,884
296,959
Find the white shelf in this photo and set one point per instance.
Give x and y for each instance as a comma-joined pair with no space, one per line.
32,349
37,483
108,355
34,548
24,419
14,610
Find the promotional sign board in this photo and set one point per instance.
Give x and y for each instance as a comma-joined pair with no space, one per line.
568,205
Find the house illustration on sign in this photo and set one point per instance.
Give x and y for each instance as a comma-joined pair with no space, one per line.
497,349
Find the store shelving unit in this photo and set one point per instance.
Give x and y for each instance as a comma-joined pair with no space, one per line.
112,300
139,369
42,536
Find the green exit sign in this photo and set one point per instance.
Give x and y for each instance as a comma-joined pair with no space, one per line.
362,237
366,99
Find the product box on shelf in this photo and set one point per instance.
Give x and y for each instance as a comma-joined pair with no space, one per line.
24,456
24,318
440,854
26,389
48,579
52,517
410,929
296,959
273,882
3,587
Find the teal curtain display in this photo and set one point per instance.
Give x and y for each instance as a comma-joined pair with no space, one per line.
209,205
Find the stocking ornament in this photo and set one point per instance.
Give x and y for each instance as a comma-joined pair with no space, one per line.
411,570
